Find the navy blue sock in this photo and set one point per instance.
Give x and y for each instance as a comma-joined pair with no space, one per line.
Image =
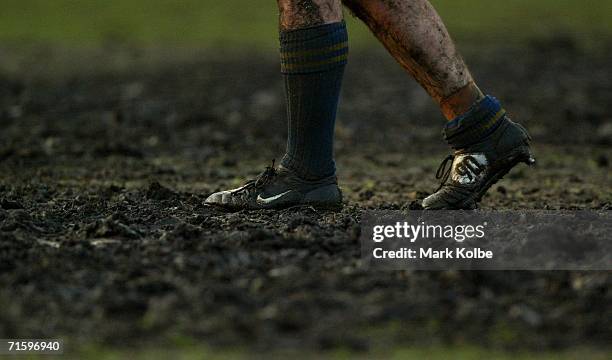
312,63
476,124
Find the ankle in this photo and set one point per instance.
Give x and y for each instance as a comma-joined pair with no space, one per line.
461,101
481,120
307,172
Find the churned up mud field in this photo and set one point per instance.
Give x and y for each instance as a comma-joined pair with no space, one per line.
107,156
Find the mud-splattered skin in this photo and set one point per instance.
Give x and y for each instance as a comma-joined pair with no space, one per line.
415,35
298,14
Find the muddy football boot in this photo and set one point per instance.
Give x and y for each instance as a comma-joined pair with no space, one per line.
487,145
277,188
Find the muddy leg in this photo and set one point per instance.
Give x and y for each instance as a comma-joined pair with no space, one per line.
415,35
299,14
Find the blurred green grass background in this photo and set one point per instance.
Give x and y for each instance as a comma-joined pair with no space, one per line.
253,23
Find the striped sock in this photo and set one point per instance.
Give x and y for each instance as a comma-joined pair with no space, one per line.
476,124
312,63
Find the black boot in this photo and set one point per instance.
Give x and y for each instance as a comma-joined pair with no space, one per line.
487,146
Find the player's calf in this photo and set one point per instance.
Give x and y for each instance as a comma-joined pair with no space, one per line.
302,14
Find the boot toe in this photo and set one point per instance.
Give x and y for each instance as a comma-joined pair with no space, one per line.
215,199
446,199
432,202
437,202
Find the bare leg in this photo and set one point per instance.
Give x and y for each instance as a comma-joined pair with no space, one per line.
299,14
415,35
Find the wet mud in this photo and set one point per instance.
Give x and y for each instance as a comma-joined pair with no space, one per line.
104,237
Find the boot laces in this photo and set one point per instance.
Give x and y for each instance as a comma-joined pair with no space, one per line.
266,176
444,171
262,179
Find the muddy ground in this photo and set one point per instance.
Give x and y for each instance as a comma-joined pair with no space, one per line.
106,157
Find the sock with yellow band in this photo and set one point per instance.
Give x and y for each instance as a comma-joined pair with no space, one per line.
476,124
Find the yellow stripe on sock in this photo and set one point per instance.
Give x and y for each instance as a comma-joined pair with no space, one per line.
300,53
301,66
494,119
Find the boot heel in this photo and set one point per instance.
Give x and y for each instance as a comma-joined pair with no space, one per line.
527,157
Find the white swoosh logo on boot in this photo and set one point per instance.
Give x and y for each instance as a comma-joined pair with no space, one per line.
261,200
